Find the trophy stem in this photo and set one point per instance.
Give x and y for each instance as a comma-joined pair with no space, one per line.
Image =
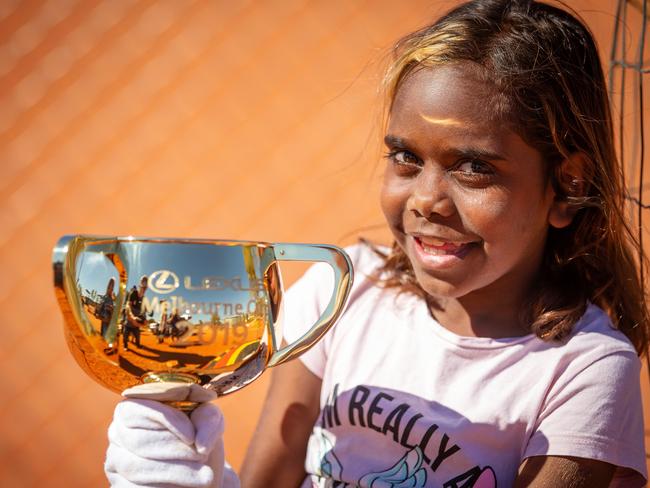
185,406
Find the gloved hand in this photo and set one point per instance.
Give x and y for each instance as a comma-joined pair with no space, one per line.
153,444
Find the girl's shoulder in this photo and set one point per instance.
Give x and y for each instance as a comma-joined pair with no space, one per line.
596,355
595,330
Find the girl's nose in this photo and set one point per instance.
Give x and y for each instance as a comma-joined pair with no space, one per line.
430,196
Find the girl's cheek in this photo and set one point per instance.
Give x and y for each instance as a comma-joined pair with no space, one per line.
393,196
486,217
491,205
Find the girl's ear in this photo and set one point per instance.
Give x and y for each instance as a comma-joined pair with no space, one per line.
569,183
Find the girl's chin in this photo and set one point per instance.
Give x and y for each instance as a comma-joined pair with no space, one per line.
441,292
444,283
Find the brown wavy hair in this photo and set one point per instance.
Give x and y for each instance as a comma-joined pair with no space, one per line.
545,63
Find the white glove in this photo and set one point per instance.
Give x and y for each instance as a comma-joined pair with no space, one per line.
153,444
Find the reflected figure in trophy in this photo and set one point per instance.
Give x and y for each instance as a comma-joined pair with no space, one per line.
106,307
134,313
173,331
162,325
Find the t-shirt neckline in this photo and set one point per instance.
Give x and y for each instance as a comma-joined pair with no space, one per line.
465,342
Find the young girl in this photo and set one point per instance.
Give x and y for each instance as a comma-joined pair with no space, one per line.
496,343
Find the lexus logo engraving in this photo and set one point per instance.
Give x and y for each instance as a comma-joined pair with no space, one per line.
163,281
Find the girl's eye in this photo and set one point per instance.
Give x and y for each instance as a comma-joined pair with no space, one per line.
474,173
403,160
474,167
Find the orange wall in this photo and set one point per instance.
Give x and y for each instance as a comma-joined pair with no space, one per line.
221,119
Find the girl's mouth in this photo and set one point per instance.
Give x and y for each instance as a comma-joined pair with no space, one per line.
436,252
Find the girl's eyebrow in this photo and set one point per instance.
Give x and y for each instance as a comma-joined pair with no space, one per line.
465,152
394,141
476,153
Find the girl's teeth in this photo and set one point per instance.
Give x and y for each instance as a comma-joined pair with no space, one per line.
436,247
431,242
434,251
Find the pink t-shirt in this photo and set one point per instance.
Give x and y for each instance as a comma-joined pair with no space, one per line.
405,402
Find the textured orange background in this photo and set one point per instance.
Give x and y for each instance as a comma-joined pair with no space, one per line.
222,119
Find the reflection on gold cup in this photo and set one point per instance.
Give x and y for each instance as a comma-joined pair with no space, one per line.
150,309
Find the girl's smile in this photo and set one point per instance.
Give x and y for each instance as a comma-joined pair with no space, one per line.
467,199
436,253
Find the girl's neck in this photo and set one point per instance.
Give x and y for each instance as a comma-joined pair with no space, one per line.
497,320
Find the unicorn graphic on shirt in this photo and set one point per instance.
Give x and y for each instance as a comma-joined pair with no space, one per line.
408,472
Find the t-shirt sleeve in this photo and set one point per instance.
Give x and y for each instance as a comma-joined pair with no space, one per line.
596,413
303,305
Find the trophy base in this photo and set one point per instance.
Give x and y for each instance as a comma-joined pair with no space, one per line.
185,406
170,377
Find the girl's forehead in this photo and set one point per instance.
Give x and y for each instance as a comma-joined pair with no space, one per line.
451,95
440,108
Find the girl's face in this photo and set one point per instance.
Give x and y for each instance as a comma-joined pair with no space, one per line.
465,197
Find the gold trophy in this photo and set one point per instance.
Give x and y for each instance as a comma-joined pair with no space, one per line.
141,310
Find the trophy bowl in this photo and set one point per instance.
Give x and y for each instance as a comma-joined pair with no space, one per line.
140,310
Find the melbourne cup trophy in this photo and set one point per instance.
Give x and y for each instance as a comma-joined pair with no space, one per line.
142,310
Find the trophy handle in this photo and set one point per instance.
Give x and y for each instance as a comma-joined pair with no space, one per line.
343,276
